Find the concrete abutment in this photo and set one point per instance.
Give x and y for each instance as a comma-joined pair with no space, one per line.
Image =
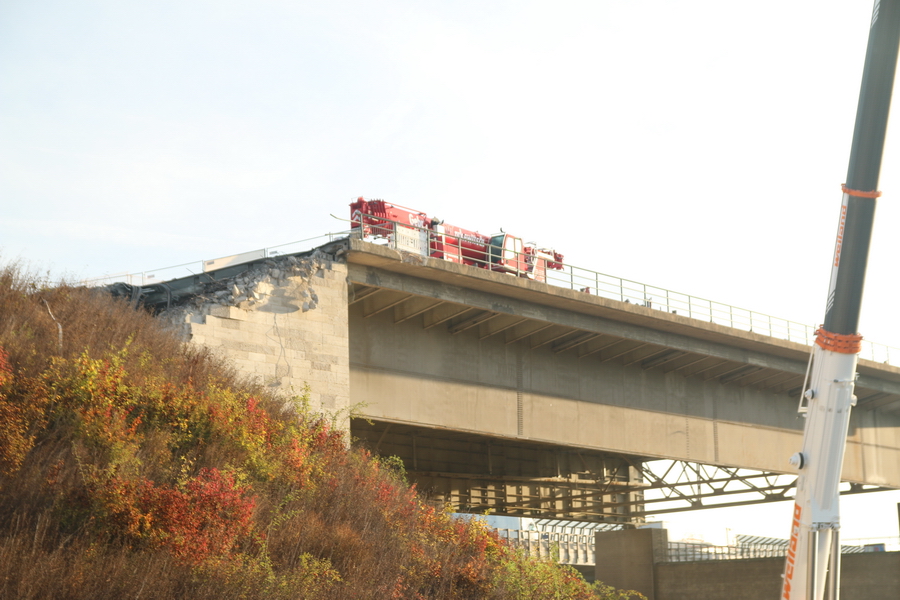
282,323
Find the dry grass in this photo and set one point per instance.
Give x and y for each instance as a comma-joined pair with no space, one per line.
92,464
39,321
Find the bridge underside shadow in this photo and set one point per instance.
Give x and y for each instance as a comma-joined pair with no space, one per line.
483,474
476,473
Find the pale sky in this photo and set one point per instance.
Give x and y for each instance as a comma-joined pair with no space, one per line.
697,146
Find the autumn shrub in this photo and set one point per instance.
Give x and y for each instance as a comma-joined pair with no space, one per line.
133,465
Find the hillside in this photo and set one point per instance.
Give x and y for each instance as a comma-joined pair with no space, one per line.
132,465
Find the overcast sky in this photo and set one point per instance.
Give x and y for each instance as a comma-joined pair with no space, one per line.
697,145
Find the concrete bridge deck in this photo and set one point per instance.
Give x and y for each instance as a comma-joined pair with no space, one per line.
528,383
520,397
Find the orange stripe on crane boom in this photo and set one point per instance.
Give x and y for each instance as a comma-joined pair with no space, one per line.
837,342
860,194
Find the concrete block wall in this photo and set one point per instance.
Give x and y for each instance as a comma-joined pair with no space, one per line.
751,579
284,324
627,559
867,575
637,559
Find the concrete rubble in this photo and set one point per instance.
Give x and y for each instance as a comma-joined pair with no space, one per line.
278,285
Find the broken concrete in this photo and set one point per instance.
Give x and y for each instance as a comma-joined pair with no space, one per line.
281,321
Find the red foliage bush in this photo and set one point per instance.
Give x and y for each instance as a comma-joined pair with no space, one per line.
203,520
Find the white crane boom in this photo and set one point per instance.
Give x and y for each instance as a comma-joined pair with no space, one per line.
812,566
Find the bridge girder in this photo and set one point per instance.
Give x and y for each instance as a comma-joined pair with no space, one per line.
627,346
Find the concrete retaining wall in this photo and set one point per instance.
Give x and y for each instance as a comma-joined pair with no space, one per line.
726,579
870,575
623,561
284,323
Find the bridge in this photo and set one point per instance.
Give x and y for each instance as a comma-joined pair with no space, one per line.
526,398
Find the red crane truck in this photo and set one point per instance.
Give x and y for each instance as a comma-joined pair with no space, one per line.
414,231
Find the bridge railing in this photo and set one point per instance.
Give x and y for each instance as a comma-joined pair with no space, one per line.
579,548
144,278
415,239
692,552
642,294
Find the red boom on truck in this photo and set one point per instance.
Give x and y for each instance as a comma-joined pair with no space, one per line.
415,231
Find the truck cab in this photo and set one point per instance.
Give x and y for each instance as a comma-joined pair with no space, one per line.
507,254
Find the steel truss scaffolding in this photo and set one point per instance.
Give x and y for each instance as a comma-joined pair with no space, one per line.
679,486
479,474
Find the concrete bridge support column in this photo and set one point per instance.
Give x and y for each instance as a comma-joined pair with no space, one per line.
627,559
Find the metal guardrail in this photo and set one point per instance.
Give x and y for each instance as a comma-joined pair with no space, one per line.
625,290
579,548
693,552
152,277
571,277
